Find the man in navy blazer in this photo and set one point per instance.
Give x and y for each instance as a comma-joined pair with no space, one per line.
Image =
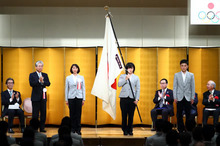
211,101
193,111
12,97
38,81
164,102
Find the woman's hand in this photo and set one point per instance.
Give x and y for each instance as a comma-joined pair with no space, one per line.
136,102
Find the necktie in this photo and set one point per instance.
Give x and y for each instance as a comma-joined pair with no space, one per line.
10,92
161,100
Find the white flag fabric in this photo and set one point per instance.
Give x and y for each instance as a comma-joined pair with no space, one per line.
110,67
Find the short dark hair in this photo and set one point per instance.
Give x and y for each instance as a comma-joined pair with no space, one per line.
217,128
184,61
76,67
130,65
9,79
172,137
185,138
34,123
190,124
208,132
66,121
197,133
164,80
3,127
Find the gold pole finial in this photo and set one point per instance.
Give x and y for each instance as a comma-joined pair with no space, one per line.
106,8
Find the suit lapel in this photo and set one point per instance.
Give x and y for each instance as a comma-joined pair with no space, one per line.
187,76
7,93
36,75
214,94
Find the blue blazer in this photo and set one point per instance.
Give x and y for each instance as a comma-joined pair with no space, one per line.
168,100
6,102
211,104
37,87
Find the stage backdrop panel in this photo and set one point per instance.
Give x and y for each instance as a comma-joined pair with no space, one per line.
145,60
204,63
85,58
17,64
169,64
53,59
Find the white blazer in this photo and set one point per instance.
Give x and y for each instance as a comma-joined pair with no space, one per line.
126,89
71,90
184,89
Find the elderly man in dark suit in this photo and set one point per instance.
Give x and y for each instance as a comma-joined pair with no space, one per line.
38,81
164,102
11,100
211,101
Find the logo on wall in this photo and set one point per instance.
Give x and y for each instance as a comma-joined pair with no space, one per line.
210,15
205,12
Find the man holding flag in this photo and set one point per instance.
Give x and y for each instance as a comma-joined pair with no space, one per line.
110,67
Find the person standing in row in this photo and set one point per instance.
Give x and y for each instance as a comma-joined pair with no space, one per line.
183,93
127,100
38,81
75,94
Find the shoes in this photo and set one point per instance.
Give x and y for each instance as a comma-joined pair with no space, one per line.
130,133
125,133
153,129
10,130
22,130
43,130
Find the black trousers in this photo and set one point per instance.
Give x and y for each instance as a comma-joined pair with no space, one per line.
127,110
164,112
15,112
214,113
75,107
39,106
183,105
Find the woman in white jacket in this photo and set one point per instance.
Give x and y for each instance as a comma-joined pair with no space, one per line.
127,100
75,97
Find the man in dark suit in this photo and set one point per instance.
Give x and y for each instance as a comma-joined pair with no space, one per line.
164,102
193,111
11,98
211,101
38,81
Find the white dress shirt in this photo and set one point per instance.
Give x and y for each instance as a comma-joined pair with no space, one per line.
184,76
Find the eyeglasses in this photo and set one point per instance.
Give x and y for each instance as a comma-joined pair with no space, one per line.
10,83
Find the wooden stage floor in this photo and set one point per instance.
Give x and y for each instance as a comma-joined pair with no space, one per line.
102,136
107,132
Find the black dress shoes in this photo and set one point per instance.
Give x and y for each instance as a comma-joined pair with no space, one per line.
125,133
43,130
130,133
10,130
153,129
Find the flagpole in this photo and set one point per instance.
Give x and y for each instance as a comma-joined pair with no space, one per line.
109,15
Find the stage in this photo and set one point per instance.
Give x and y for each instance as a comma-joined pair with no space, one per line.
102,136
